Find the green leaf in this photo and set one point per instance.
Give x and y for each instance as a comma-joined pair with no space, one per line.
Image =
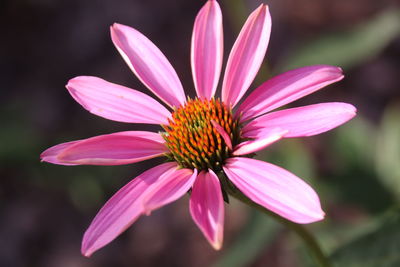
388,150
350,48
379,247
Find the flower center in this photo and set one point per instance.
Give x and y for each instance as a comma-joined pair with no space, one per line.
193,140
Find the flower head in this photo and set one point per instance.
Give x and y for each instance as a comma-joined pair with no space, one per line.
207,140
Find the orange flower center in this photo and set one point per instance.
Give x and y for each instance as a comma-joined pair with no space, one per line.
192,139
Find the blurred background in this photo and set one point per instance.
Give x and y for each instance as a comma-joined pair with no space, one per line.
45,209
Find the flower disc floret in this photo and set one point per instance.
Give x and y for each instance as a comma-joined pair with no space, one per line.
192,138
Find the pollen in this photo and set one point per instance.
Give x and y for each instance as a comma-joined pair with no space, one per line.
192,139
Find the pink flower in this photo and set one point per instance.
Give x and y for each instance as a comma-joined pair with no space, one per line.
204,137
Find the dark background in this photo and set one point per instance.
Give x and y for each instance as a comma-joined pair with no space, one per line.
45,209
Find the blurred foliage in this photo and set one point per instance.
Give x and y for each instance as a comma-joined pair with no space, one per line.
350,48
354,177
379,247
388,150
18,140
254,237
292,154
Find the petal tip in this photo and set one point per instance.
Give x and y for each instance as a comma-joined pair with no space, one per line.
341,77
71,82
350,110
261,10
43,157
319,217
115,25
148,208
86,250
261,6
338,71
313,218
87,254
113,28
264,8
353,109
217,245
74,83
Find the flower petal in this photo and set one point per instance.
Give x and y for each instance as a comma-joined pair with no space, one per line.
149,64
168,189
121,210
207,49
288,87
207,207
246,56
261,140
275,189
116,102
114,149
223,133
50,155
302,121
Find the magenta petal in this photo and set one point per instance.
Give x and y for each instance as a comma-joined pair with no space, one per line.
303,121
246,56
275,189
207,207
121,210
114,149
286,88
169,188
207,49
116,102
50,155
261,141
149,64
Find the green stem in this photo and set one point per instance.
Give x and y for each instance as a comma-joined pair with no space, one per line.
302,232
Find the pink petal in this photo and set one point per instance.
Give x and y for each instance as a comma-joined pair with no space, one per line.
223,133
50,154
288,87
261,141
246,56
303,121
114,149
207,49
121,210
116,102
275,189
149,64
207,207
168,189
